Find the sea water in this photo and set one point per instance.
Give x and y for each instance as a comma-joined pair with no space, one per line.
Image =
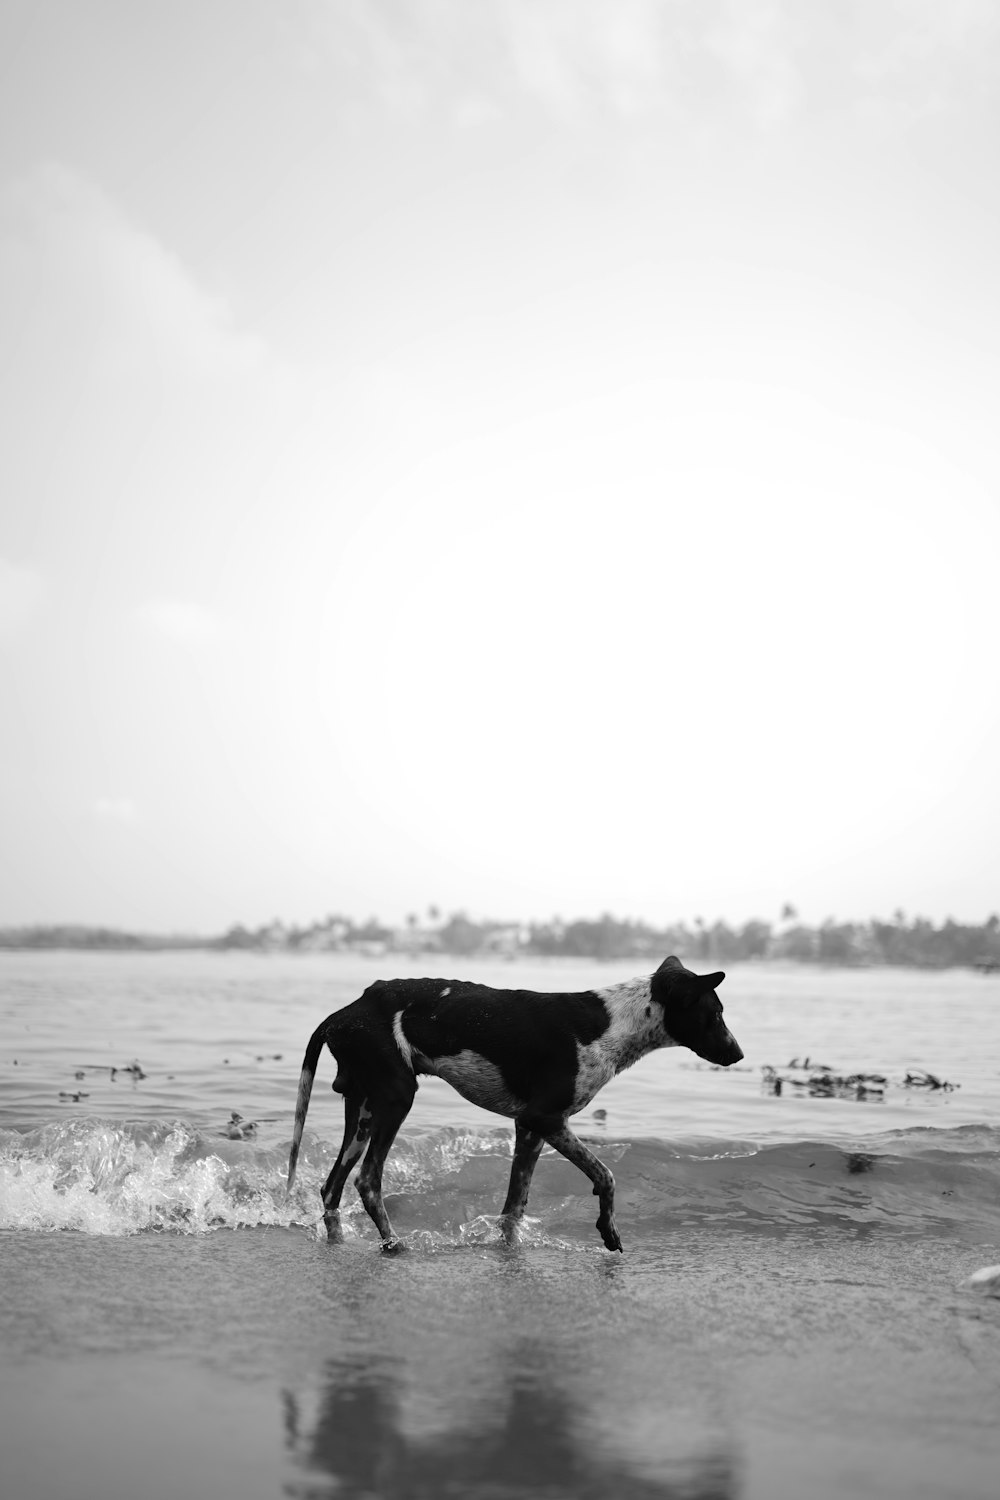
793,1227
121,1077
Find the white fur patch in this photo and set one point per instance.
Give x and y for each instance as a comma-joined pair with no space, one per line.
401,1042
446,991
476,1079
360,1139
636,1027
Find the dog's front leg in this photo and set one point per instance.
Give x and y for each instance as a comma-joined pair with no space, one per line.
575,1151
528,1144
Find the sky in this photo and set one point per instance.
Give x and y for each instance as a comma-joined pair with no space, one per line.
532,457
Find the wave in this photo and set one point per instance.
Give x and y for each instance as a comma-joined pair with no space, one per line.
444,1187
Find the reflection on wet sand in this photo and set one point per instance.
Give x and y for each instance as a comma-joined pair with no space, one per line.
536,1439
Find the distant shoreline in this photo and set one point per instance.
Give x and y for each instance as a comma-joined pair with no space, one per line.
871,944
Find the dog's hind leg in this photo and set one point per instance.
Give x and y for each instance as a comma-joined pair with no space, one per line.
528,1144
388,1117
575,1151
357,1126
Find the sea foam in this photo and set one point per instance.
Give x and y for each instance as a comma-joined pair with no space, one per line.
103,1177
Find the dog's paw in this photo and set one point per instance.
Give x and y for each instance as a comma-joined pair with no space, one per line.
509,1226
394,1246
609,1234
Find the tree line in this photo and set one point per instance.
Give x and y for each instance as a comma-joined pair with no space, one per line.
915,943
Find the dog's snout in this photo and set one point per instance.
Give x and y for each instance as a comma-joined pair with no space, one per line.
732,1052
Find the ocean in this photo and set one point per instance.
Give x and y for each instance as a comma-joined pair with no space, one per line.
793,1312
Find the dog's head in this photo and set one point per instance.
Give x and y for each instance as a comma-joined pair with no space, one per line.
692,1012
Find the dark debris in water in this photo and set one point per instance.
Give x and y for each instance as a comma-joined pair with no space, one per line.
820,1081
73,1096
133,1070
921,1080
239,1129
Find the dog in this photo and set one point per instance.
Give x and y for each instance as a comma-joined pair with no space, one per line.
534,1057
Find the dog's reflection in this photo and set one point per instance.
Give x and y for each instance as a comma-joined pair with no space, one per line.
533,1440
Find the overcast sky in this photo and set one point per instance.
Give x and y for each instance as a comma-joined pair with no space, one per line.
531,456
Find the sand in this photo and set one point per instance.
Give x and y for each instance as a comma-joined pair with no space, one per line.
727,1364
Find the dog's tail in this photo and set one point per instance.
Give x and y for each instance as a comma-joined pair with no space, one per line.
313,1050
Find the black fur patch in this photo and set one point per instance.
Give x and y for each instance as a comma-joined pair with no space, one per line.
530,1036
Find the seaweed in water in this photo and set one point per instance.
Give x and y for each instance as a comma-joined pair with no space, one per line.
921,1080
133,1070
820,1081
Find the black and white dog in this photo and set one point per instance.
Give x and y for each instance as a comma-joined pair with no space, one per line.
536,1058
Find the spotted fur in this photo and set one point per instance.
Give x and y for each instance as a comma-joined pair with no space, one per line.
531,1056
635,1027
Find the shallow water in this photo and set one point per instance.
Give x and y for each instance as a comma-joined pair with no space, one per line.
85,1144
792,1314
218,1032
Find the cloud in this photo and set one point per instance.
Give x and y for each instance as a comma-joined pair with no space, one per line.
184,623
21,593
756,48
566,55
766,60
916,57
133,295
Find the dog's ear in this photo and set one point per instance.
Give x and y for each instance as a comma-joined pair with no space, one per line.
712,981
671,965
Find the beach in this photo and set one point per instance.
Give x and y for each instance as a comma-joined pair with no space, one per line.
265,1362
792,1314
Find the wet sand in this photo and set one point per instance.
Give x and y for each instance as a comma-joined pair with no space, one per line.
738,1363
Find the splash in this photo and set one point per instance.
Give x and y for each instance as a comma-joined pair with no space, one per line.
100,1177
103,1177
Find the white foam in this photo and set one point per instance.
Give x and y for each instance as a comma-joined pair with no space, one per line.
113,1179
